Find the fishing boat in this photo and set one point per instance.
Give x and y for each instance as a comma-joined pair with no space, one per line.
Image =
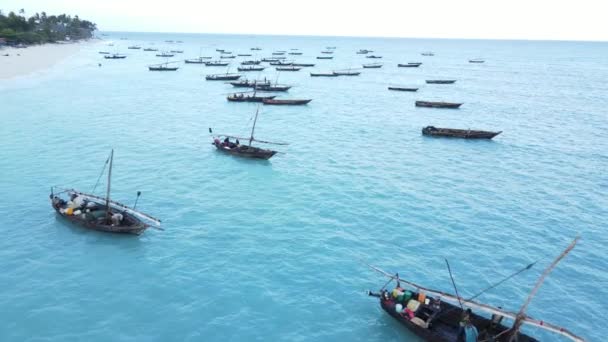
286,102
409,65
278,53
227,57
476,60
219,50
435,104
199,60
271,87
101,213
104,53
327,52
323,74
295,53
330,47
162,67
216,63
438,316
280,63
402,89
222,77
256,49
222,143
250,84
372,66
440,81
458,133
150,49
241,97
373,56
325,57
251,68
303,64
347,73
177,51
244,55
364,52
164,54
115,56
428,54
225,52
134,47
250,62
288,68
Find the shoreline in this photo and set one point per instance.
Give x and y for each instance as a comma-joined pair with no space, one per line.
33,58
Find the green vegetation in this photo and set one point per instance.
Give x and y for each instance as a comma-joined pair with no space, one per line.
40,28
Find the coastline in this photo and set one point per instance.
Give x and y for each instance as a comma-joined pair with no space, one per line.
24,61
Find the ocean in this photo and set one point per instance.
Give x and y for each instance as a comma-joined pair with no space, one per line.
274,250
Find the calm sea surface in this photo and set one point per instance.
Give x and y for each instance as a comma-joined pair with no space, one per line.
270,250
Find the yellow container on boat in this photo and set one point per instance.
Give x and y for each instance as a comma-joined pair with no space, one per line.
69,211
396,293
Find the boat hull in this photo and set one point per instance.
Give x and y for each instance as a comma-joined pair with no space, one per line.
458,133
246,151
286,102
136,228
429,104
402,89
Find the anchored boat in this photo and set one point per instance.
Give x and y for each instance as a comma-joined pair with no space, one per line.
458,133
162,67
409,65
440,81
438,104
402,89
286,102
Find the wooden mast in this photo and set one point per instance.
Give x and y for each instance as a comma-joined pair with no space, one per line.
521,315
253,128
109,184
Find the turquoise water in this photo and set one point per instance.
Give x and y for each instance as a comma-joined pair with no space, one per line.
270,250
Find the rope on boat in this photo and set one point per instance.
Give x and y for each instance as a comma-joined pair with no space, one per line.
101,174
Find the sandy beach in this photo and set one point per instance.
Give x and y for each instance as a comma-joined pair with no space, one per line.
34,58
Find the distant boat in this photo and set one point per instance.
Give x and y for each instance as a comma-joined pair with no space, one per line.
244,55
250,62
104,53
251,68
199,60
255,49
280,63
428,54
303,64
278,53
440,81
295,53
115,56
476,60
330,47
409,65
325,57
327,52
168,41
286,102
219,50
101,213
164,54
402,89
373,56
347,73
323,74
288,68
223,144
134,47
271,87
216,63
432,104
250,84
222,77
177,51
364,51
372,65
227,57
241,97
150,49
224,52
162,67
458,133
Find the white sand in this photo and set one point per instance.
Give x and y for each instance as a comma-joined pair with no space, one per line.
34,58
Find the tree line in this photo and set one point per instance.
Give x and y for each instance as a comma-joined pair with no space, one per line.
43,28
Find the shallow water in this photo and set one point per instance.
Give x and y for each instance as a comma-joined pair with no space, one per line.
270,250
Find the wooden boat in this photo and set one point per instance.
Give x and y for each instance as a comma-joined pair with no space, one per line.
101,213
255,49
115,56
250,62
402,89
227,57
458,133
162,67
428,54
164,54
150,49
364,52
438,316
325,57
222,143
104,53
409,65
216,63
271,87
295,53
347,73
222,77
327,52
330,47
278,53
373,66
225,52
241,97
177,51
199,60
134,47
251,68
323,74
286,102
250,84
432,104
219,50
373,56
280,63
303,64
476,60
244,55
440,81
288,68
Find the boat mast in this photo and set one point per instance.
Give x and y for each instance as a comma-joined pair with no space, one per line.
109,184
521,315
253,128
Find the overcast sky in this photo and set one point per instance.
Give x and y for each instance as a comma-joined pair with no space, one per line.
512,19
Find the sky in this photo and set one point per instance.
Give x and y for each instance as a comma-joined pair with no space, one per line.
476,19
